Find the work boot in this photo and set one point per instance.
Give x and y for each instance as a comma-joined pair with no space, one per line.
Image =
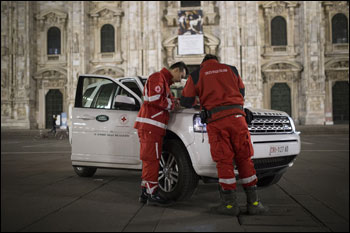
156,199
228,204
254,206
144,196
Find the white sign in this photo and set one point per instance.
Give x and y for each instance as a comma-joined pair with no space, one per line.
191,44
63,120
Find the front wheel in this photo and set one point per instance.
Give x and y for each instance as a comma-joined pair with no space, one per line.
177,179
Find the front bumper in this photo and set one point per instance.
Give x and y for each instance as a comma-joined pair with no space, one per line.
266,163
273,166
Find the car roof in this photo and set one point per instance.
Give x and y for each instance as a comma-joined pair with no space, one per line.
109,77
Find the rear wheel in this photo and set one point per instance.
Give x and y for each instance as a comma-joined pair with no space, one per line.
85,171
177,179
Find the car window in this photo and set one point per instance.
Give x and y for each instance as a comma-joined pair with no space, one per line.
87,96
95,92
133,87
104,97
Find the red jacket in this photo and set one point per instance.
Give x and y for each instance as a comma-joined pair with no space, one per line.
216,85
158,101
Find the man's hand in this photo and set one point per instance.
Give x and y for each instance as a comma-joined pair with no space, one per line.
177,104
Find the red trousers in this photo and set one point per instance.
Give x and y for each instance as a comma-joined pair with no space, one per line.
150,153
229,140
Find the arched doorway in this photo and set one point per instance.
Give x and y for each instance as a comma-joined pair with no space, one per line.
53,106
340,102
281,98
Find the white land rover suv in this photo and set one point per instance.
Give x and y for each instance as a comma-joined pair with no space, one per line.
102,136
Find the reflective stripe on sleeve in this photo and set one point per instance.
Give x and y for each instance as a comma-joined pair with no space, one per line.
151,122
169,103
151,98
155,115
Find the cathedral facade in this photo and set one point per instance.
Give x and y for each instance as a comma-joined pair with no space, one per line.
292,55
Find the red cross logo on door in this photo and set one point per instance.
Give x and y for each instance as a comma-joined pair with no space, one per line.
123,119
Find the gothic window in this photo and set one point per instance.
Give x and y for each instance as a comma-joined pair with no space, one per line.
278,31
54,41
339,29
190,3
107,38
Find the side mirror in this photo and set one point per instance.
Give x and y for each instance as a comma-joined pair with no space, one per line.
122,102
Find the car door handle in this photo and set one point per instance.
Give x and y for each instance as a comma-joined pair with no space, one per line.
86,117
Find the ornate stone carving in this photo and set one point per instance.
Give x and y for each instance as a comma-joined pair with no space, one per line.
3,79
171,15
114,72
340,65
315,104
337,70
76,43
54,83
209,13
336,6
274,8
21,112
5,110
281,66
52,18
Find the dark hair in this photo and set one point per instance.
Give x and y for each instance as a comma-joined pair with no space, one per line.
181,65
210,56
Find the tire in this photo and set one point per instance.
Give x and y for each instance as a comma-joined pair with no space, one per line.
177,178
269,180
85,171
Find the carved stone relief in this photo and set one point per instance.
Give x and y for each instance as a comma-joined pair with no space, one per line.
52,18
337,70
3,79
21,112
108,71
5,110
315,104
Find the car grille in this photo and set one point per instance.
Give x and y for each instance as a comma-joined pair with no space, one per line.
273,162
270,125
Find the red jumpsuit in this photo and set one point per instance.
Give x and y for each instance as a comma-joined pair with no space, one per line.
151,123
216,85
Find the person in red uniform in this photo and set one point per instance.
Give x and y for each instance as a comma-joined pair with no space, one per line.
151,124
221,93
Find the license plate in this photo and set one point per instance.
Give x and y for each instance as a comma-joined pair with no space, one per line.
279,150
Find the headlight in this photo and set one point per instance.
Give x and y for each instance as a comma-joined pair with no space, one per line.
293,125
198,126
